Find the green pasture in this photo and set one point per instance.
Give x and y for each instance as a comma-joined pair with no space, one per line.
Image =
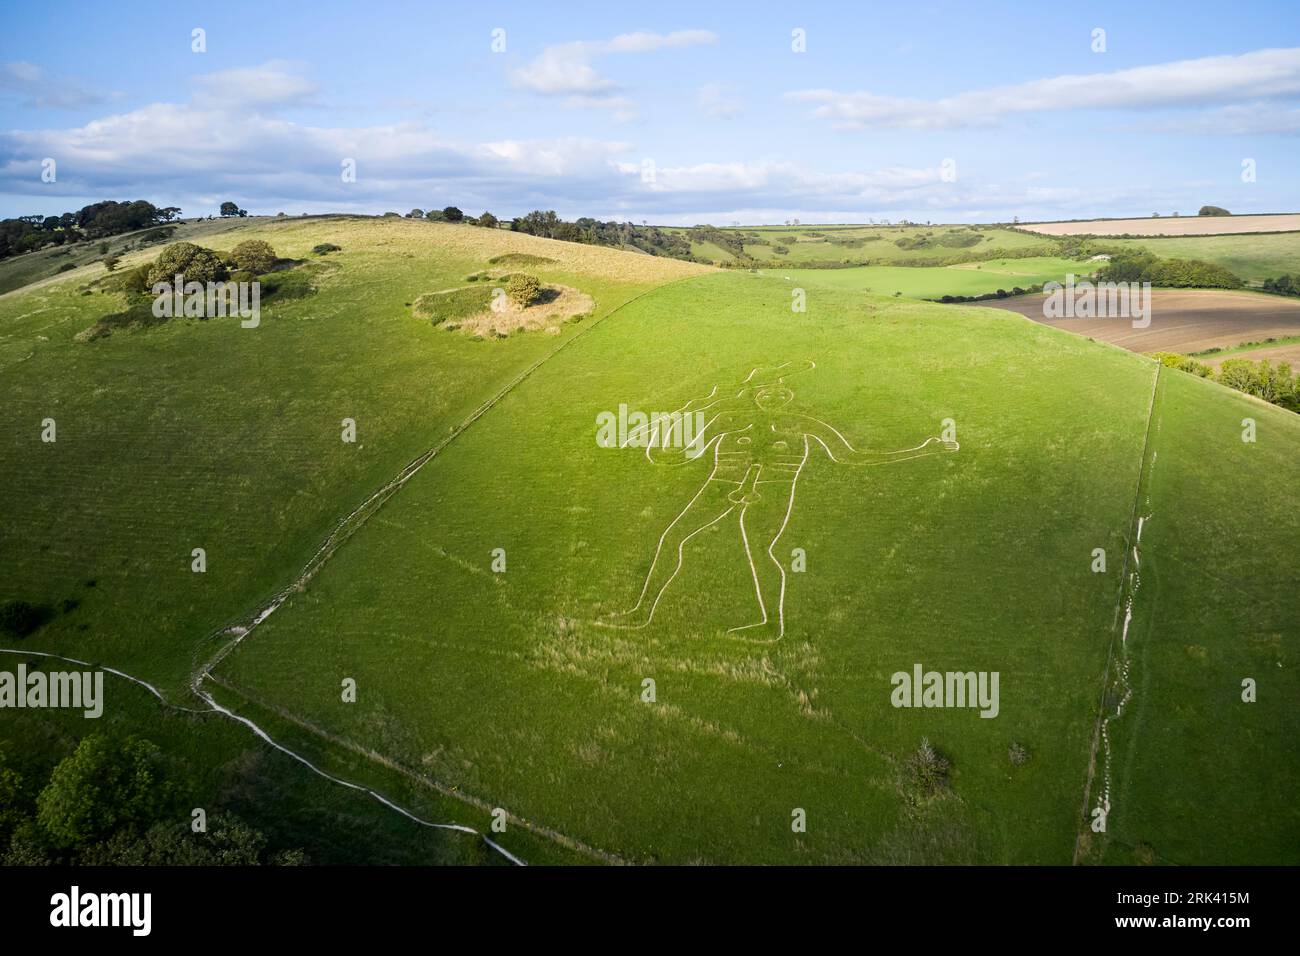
932,282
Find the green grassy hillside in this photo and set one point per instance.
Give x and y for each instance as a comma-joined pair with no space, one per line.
203,434
976,560
482,687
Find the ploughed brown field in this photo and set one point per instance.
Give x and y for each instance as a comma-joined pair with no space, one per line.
1168,226
1181,320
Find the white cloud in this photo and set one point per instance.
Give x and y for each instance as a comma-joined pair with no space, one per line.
1209,81
566,68
33,86
274,83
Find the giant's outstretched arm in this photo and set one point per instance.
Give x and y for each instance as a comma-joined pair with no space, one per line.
839,449
680,453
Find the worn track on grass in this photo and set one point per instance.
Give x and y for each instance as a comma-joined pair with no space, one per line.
1130,547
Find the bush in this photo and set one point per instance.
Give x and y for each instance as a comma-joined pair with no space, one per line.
523,288
253,255
927,771
186,259
1283,285
20,618
325,248
1213,211
452,214
1183,363
488,220
110,262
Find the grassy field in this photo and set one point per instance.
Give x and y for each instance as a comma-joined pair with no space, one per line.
741,734
1197,770
922,282
206,435
479,690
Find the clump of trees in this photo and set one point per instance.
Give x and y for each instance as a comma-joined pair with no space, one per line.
1284,285
1273,383
1142,266
232,209
619,235
117,802
1213,211
95,221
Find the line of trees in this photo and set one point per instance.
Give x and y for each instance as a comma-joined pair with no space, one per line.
1141,266
620,235
95,221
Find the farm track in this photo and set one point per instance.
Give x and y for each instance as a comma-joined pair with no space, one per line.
349,525
1100,736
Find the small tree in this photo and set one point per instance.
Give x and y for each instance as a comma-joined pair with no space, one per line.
488,220
452,214
927,770
253,255
523,288
229,209
194,263
101,786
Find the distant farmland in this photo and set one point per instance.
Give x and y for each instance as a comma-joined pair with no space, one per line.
1181,320
1168,226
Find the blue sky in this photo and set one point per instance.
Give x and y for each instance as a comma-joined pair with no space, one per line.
673,113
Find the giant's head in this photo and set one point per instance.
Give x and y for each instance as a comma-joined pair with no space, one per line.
772,397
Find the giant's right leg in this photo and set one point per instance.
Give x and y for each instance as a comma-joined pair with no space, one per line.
707,508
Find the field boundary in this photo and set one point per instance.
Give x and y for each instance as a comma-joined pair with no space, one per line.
1130,545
